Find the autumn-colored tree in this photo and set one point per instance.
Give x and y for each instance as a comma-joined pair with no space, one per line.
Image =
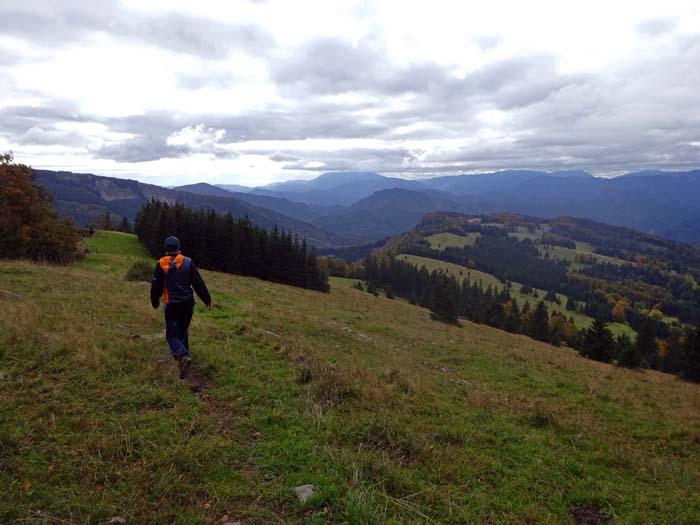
104,222
29,226
619,311
561,329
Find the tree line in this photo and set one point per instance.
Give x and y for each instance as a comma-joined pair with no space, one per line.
232,245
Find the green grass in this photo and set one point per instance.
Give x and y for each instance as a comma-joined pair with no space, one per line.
343,282
569,254
395,418
111,251
440,241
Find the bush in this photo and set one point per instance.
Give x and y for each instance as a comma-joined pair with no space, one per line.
140,271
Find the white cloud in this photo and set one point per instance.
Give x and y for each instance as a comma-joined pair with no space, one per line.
196,136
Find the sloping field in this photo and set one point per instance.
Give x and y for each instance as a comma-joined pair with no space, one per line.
486,279
393,417
440,241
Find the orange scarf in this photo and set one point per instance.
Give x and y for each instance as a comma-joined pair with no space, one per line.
165,265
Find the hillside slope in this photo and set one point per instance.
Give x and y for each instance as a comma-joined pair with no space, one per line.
395,418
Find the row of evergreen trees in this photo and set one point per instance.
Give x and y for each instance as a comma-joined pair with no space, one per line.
224,244
448,300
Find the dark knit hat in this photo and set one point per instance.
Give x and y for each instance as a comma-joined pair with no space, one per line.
172,245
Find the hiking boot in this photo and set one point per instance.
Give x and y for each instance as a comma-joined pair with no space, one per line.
183,364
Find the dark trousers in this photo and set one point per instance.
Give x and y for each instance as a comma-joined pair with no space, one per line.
177,321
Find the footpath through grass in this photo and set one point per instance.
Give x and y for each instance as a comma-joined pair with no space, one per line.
395,418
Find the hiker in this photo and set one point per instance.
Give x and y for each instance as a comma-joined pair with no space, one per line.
174,277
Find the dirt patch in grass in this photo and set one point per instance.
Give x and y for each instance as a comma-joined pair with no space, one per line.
588,514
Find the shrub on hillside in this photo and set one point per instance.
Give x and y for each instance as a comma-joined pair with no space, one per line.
29,226
140,271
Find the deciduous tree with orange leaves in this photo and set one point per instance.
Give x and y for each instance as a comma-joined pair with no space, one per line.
29,226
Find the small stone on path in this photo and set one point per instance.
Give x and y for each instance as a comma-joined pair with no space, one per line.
304,492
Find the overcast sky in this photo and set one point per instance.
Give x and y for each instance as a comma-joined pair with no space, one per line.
251,92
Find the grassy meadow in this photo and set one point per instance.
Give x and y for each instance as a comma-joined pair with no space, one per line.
440,241
393,417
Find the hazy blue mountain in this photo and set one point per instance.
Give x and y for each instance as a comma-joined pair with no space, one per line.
202,188
385,213
660,173
336,189
297,210
480,184
687,230
84,197
325,181
234,188
652,203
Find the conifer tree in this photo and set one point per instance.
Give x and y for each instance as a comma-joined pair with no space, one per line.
628,355
597,342
691,361
442,302
646,342
539,325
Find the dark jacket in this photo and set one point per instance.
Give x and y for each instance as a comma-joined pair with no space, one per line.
173,278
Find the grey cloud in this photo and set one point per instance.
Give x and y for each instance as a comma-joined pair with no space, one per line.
140,149
278,156
18,120
331,66
39,136
59,23
656,26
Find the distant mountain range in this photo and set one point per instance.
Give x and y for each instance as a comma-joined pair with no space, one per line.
85,197
350,208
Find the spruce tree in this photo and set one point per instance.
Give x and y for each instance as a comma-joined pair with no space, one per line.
539,325
628,355
442,303
597,342
646,342
691,361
